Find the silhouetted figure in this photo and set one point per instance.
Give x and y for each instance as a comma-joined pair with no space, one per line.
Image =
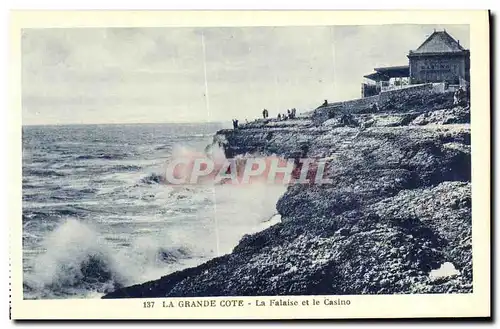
279,116
455,97
325,103
293,113
235,124
288,111
460,97
264,113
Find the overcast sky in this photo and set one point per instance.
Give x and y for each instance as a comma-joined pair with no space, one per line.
129,75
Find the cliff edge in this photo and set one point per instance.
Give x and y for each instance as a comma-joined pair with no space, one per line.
395,219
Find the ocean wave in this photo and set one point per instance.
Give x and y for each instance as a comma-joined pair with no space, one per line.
118,156
70,194
153,178
43,172
191,136
125,168
36,194
53,214
74,261
79,262
37,216
33,196
163,147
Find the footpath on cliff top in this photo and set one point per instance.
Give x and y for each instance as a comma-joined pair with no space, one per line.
395,219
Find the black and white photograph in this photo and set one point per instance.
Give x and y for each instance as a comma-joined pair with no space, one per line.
172,163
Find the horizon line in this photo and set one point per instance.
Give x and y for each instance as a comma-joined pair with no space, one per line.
121,123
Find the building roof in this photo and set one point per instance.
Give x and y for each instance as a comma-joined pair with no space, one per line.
385,73
439,42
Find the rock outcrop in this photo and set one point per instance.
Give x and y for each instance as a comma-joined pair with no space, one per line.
398,207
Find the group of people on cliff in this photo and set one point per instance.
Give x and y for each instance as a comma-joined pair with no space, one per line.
291,114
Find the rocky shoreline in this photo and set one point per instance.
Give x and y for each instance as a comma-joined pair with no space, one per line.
397,211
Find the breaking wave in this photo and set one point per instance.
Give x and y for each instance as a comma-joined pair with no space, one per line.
79,262
75,260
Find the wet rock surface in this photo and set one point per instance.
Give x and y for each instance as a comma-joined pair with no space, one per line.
398,207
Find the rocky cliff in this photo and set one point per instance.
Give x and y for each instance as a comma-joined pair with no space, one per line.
396,215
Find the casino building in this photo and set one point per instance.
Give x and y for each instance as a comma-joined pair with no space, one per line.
439,59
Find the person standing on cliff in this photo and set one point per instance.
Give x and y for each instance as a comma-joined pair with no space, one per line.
463,97
456,96
460,98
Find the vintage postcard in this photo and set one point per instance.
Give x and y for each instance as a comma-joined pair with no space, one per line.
249,165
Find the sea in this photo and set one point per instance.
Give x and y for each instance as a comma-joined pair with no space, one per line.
97,216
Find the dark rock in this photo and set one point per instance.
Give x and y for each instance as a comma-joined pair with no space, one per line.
447,116
398,206
343,232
